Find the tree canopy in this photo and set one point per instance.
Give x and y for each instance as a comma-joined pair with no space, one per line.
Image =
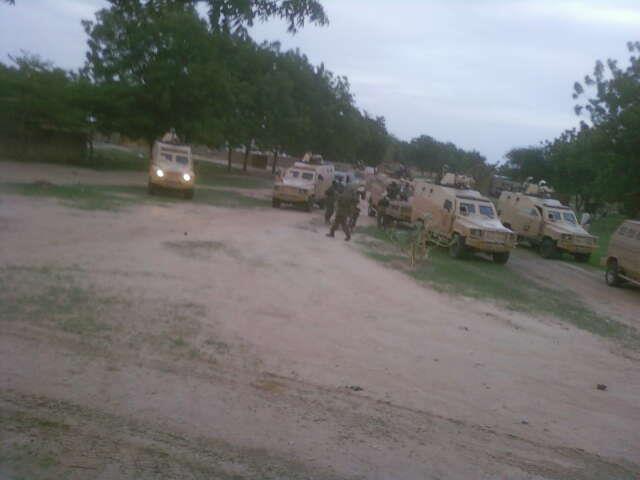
598,161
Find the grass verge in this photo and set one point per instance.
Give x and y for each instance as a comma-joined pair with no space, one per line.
480,278
115,197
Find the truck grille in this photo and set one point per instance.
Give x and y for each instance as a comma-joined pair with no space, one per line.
497,237
582,240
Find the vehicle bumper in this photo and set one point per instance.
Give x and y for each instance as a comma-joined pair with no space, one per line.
289,198
486,246
573,248
174,184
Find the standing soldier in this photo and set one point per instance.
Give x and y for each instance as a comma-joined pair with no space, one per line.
345,201
355,209
381,211
330,200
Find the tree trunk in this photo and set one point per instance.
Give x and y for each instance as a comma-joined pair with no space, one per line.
247,152
275,161
230,151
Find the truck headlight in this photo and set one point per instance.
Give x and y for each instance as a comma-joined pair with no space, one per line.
186,177
159,173
475,232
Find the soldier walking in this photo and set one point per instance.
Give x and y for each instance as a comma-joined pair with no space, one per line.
344,203
331,194
381,211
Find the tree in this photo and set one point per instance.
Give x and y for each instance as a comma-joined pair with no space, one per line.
525,162
234,16
156,66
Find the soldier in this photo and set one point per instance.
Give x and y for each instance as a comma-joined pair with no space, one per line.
383,203
345,201
331,194
355,209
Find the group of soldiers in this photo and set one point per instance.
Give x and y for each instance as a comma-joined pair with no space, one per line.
344,202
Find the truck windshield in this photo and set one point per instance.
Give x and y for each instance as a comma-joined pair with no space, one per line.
182,159
307,176
569,217
486,210
554,215
483,209
293,173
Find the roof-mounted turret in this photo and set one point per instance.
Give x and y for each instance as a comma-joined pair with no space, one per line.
457,181
541,189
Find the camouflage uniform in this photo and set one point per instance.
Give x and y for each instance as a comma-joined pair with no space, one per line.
330,200
345,202
381,211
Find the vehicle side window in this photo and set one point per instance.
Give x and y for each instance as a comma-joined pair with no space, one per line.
166,156
533,212
448,205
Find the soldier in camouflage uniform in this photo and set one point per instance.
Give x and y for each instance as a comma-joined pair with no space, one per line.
330,199
343,211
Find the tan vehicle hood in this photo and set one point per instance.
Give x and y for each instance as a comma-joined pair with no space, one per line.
492,224
296,183
569,228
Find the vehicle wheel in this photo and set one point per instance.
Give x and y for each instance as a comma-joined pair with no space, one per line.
501,257
188,194
582,257
151,188
275,203
548,248
457,248
611,275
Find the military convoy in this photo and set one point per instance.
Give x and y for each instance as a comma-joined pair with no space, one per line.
545,223
304,184
454,215
460,218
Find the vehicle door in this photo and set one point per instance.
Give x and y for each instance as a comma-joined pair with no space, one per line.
530,217
629,248
446,216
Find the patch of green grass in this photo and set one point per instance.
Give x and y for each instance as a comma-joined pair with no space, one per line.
84,197
479,278
114,158
117,197
603,228
215,175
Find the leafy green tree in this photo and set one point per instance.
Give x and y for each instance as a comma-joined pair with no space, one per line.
525,162
156,67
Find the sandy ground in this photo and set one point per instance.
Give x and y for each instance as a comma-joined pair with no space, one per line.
278,321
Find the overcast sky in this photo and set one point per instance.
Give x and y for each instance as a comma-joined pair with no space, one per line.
484,74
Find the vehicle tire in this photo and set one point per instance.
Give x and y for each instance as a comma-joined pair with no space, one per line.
501,257
548,248
582,257
275,203
457,248
188,194
151,188
611,275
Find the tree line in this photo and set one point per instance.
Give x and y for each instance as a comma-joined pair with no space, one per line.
153,65
599,161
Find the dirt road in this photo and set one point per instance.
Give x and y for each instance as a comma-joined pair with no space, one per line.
199,342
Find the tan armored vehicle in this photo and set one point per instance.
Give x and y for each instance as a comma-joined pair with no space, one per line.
545,222
400,208
305,183
171,167
623,255
462,219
